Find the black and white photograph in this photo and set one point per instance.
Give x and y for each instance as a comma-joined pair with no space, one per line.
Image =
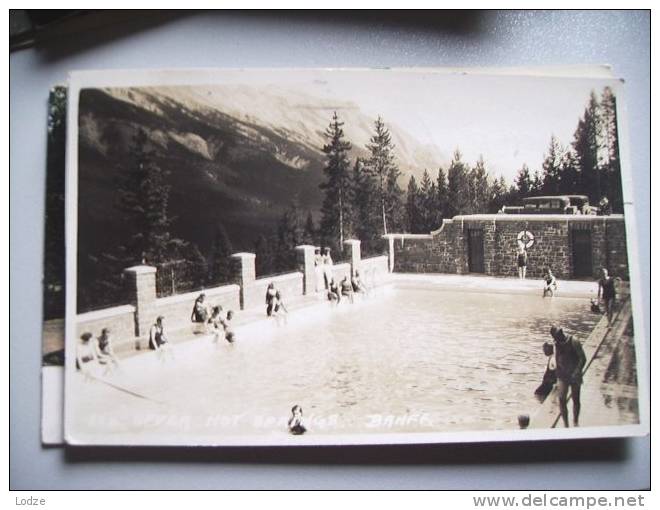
346,256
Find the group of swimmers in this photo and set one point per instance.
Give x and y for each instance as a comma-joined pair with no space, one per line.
97,352
212,320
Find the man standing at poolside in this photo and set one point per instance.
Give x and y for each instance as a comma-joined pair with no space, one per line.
607,292
570,361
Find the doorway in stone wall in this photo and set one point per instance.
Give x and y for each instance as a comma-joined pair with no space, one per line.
476,250
582,262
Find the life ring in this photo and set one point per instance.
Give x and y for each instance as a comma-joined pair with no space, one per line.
525,239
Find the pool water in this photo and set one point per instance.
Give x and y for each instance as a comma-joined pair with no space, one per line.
410,359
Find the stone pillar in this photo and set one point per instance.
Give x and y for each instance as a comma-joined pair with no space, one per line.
243,272
353,245
305,260
141,287
390,251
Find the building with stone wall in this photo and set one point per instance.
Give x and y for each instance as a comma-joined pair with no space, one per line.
573,246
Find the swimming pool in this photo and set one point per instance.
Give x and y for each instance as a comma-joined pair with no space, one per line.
409,359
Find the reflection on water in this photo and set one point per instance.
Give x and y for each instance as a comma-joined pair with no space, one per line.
442,360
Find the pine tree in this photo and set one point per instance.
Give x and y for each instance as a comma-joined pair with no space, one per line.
309,232
523,182
480,187
552,167
413,199
441,196
384,171
536,188
264,256
365,205
142,200
220,256
499,195
570,173
458,194
586,144
290,232
336,214
612,165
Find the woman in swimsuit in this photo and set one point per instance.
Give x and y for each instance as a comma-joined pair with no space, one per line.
271,300
200,315
550,283
84,354
104,351
522,262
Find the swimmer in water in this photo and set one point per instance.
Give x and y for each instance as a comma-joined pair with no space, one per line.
229,330
295,424
550,283
347,289
333,292
104,351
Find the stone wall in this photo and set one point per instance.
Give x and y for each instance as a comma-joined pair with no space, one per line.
177,309
290,286
446,249
132,321
373,270
120,320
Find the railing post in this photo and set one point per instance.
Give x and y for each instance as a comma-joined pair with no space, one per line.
141,287
243,272
354,246
305,259
390,244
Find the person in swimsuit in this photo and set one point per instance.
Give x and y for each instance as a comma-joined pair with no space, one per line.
550,375
346,289
358,285
104,351
271,300
229,330
607,292
327,268
295,423
200,315
522,262
570,360
215,323
85,354
318,269
158,340
333,292
550,286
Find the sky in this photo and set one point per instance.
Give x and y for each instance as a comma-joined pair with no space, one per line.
506,118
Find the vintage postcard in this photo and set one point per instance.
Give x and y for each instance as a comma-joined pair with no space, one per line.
300,256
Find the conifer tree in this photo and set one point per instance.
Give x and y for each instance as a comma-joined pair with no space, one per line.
264,256
290,232
309,232
441,196
458,194
480,187
336,214
413,200
586,144
552,167
523,182
220,256
384,171
612,165
142,200
367,220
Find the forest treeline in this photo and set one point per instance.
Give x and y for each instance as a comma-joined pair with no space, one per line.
362,198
